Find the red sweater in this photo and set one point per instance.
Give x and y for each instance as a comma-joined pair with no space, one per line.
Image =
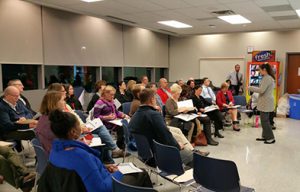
221,99
164,96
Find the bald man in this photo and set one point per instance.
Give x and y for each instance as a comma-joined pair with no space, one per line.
163,91
19,85
13,114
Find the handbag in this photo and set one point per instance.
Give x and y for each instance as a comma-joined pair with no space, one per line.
201,140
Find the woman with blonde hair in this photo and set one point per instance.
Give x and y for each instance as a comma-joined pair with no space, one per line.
106,110
130,85
172,110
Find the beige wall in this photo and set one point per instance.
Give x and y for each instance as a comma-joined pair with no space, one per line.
185,52
20,32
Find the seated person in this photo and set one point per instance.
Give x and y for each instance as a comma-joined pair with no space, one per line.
121,94
14,115
99,86
150,123
71,100
157,97
200,103
225,101
163,91
105,109
55,100
207,92
19,85
136,99
14,171
70,154
172,110
130,84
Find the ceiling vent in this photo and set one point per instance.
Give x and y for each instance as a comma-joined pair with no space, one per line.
223,12
117,19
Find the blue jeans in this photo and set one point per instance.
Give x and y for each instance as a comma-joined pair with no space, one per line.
105,136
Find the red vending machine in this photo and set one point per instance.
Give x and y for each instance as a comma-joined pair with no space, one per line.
253,77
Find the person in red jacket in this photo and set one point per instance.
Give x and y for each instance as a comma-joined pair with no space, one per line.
225,102
163,91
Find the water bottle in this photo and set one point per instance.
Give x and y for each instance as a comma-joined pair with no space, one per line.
256,121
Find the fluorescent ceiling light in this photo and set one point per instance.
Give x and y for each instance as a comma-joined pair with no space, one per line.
175,24
91,1
298,12
234,19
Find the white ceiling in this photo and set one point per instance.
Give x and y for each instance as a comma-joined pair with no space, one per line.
264,14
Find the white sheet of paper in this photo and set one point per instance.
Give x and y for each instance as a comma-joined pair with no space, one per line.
186,103
210,108
118,121
187,117
94,124
117,103
96,141
234,107
126,168
187,176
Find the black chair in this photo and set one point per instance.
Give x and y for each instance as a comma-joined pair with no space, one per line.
118,186
82,115
144,150
130,145
169,161
59,179
126,107
217,175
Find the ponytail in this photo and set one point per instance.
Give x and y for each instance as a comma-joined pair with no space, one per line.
268,68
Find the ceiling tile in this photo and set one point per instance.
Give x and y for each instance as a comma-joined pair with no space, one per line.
143,5
282,13
263,3
277,8
171,4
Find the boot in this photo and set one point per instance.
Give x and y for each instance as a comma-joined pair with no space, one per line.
210,140
218,134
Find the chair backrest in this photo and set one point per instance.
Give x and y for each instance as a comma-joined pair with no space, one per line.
126,107
41,155
82,115
143,147
216,174
208,100
240,100
118,186
126,131
168,159
60,179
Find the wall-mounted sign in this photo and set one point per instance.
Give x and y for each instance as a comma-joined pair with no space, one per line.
263,56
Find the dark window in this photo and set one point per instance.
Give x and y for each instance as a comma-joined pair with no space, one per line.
28,74
161,73
58,74
112,75
136,73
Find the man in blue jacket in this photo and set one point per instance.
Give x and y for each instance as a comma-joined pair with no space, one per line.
14,116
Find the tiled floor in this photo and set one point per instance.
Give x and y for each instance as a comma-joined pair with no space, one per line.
267,168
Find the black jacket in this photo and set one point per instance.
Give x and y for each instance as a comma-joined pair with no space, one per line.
150,123
200,102
93,101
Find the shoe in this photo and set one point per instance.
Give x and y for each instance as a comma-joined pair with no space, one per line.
217,134
271,141
117,153
235,127
260,139
205,154
273,127
212,142
28,185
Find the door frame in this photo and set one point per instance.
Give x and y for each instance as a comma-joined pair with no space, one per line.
286,67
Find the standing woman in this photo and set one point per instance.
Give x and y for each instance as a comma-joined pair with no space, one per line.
265,102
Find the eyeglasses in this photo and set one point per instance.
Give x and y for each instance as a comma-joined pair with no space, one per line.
18,84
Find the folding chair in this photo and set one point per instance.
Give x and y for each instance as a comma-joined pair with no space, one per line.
126,107
118,186
169,161
241,100
130,144
42,159
217,175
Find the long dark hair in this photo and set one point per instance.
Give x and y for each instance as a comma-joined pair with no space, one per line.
268,68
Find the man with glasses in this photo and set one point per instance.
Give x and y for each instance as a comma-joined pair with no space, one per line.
19,85
14,116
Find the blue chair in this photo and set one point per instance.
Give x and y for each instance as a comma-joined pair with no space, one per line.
130,144
41,155
169,161
240,100
126,107
118,186
82,115
144,150
217,175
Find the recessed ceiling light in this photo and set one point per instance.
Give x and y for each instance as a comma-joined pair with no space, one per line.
91,1
234,19
175,24
298,12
